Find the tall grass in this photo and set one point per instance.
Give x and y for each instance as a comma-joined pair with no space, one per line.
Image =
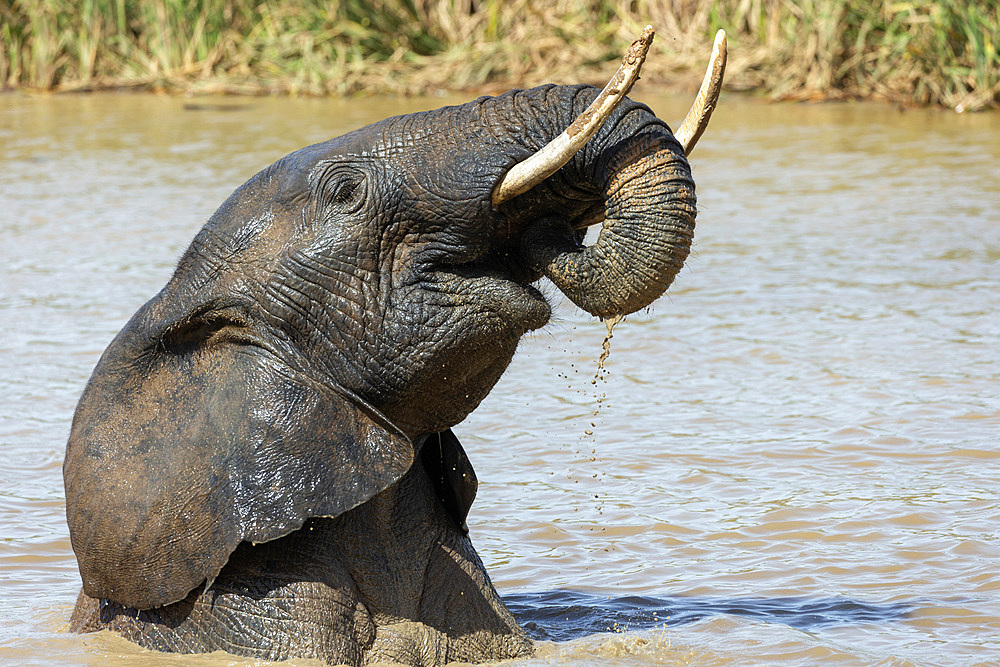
918,51
911,51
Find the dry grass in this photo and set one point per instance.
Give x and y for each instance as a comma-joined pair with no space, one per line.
920,52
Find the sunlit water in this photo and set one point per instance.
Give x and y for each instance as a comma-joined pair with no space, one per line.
794,457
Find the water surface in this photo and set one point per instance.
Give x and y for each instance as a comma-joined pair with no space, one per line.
794,457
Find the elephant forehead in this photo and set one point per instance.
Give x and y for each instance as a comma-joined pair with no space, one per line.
430,147
253,228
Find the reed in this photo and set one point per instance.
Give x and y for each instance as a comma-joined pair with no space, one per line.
913,52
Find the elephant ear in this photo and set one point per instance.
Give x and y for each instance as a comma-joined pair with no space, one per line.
450,470
178,456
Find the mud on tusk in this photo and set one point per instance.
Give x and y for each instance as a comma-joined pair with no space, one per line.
700,113
549,159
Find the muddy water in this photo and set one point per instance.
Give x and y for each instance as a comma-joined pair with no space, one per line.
796,455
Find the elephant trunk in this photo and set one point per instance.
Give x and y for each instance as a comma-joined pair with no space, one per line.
640,173
649,218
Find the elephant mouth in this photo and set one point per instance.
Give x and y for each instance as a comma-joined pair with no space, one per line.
519,276
498,281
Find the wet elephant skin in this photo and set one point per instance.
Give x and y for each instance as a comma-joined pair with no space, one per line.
343,590
262,460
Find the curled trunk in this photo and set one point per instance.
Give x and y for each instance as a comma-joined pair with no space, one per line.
647,198
649,214
634,179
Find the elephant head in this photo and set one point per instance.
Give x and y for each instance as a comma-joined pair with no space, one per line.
342,306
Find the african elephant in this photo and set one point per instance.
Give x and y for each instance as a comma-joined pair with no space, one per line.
262,461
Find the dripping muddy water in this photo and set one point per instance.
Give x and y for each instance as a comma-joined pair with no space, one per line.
610,323
600,377
797,457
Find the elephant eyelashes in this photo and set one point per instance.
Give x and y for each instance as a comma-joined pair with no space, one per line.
346,193
186,337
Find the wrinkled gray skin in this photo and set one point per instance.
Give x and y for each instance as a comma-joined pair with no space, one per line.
262,462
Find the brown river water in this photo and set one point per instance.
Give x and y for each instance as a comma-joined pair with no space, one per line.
793,458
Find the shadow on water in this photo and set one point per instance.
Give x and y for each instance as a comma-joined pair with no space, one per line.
562,615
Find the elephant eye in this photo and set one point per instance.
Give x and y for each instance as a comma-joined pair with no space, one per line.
194,332
345,192
190,335
341,188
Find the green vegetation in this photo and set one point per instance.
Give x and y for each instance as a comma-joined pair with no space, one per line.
918,51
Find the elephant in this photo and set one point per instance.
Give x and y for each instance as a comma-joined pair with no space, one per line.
263,460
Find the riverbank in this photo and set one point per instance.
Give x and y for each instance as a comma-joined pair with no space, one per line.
922,52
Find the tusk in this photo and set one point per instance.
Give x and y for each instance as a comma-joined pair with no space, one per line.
527,174
698,116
